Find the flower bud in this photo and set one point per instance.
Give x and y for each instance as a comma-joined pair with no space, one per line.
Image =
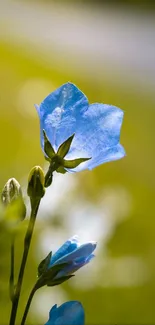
36,182
11,191
12,199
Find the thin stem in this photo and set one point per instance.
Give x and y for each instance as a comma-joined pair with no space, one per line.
12,262
28,305
49,175
48,178
27,242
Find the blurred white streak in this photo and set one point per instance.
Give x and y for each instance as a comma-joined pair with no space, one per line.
122,41
57,195
45,300
116,202
125,271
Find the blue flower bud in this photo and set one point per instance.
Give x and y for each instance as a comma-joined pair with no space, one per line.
60,267
74,254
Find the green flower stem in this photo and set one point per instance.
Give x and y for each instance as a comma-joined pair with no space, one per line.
12,262
48,177
28,305
27,242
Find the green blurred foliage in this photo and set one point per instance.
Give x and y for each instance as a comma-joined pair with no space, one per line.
25,81
137,4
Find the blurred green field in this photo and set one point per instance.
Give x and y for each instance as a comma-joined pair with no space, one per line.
25,81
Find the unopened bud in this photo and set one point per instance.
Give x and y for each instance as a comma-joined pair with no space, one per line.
36,182
11,191
12,199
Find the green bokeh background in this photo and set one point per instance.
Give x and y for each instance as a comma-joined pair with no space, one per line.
26,80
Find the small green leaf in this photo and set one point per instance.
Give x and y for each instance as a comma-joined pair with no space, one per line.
49,275
65,146
74,163
59,281
47,158
43,266
61,170
48,147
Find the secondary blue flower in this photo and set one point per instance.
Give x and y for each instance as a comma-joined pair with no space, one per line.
66,111
69,313
73,253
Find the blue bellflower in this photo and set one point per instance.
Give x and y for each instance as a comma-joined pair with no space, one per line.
69,313
73,253
96,127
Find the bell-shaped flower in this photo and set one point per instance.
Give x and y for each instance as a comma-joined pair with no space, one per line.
69,313
74,254
70,257
79,135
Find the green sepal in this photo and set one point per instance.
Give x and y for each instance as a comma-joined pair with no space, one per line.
47,158
74,163
65,146
61,170
43,266
59,281
48,147
50,274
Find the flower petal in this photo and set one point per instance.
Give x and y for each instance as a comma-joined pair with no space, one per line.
69,313
81,252
98,131
60,112
112,153
73,267
109,154
69,246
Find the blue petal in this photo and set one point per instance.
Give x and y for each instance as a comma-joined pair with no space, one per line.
109,154
99,128
54,308
74,266
60,113
98,131
69,246
81,252
69,313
